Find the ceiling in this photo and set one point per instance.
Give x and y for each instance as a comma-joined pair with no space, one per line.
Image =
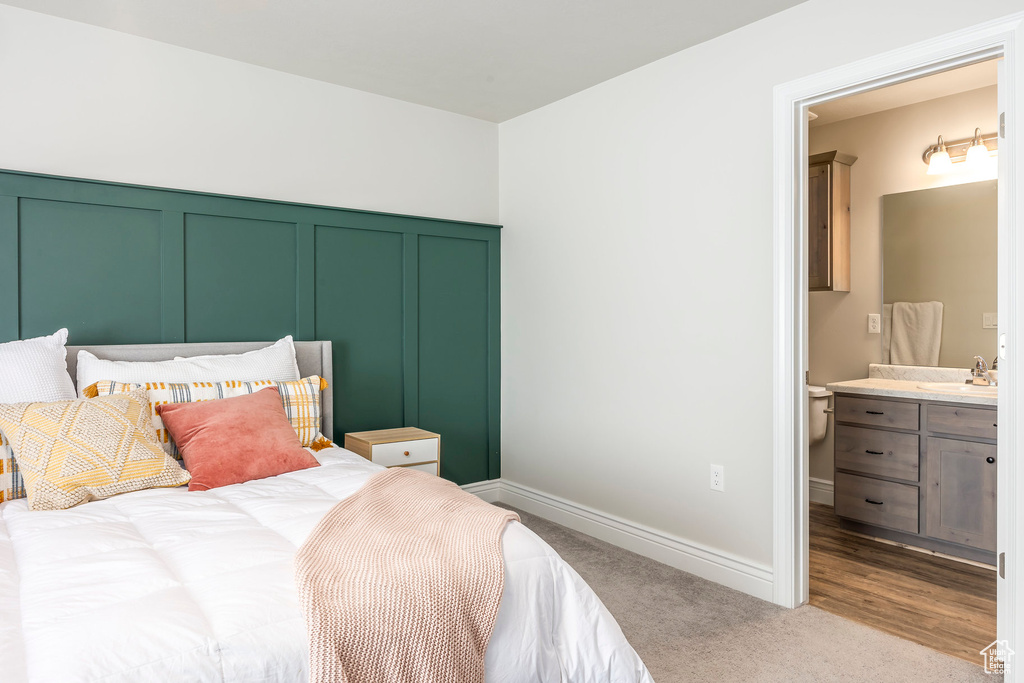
910,92
490,59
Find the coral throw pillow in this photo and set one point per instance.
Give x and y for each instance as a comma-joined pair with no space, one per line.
232,440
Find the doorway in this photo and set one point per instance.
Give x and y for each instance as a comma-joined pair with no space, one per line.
894,523
969,46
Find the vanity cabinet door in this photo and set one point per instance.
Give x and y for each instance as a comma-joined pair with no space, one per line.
961,497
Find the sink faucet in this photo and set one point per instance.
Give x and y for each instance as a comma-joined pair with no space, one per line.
980,374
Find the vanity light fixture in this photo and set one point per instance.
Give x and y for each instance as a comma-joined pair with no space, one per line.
975,150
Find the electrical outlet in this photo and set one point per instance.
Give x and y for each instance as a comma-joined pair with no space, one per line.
874,323
717,478
989,321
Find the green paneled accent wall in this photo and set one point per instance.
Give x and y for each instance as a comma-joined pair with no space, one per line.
411,304
359,282
75,271
453,347
240,279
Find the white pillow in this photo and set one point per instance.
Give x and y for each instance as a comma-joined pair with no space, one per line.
35,370
276,362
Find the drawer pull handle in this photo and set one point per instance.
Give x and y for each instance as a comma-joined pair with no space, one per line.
994,424
990,460
875,452
873,502
406,453
874,412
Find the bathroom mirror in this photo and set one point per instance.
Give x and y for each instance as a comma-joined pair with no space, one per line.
939,284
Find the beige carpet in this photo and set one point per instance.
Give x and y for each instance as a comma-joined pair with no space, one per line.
688,629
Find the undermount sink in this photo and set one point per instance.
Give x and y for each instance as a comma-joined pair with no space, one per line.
960,388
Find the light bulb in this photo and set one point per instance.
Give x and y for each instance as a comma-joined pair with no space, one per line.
940,162
977,156
977,153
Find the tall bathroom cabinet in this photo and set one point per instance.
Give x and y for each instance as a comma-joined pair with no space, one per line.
828,238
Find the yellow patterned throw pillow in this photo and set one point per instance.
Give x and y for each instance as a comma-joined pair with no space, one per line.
301,400
71,452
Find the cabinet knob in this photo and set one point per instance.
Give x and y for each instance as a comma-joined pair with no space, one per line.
990,460
407,453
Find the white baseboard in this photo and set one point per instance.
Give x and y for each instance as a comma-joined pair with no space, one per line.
724,568
822,491
489,490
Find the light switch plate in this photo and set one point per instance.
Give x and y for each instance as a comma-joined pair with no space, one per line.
989,321
874,323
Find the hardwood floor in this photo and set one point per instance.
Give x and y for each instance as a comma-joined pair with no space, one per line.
946,605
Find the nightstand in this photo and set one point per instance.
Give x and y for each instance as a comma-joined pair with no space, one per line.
409,447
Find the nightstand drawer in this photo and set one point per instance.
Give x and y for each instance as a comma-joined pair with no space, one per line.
404,452
429,468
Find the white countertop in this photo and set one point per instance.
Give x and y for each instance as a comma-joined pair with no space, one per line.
902,388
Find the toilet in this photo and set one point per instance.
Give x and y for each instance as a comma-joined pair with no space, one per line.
817,402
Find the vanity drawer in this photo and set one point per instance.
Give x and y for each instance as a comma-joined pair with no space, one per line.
873,451
962,421
875,412
872,501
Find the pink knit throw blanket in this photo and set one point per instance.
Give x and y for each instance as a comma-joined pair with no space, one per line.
401,582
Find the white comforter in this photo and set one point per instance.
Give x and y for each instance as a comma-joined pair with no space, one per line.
168,585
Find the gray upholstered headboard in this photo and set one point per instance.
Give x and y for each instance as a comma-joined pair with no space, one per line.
314,358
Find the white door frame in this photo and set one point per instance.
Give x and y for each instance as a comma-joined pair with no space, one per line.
1004,37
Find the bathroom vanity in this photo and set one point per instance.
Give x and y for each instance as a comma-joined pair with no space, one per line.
917,465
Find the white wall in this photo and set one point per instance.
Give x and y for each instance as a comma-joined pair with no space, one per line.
888,146
637,274
83,101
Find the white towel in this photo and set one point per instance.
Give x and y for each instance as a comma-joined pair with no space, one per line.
916,333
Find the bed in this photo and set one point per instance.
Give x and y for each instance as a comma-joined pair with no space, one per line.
171,585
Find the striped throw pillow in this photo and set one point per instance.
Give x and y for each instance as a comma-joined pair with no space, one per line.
301,400
11,483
